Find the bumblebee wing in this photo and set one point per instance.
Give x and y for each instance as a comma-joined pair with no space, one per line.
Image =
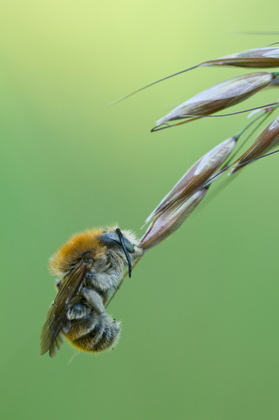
52,334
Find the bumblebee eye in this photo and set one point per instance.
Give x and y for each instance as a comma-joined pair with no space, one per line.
127,246
111,237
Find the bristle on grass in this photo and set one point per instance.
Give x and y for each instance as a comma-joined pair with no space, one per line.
266,57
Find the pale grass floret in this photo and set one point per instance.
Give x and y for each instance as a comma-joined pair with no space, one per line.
220,96
268,139
197,175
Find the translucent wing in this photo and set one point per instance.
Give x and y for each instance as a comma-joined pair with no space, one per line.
52,334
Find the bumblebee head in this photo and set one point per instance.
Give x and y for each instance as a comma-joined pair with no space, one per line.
116,238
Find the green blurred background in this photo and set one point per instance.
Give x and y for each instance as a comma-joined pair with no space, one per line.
200,314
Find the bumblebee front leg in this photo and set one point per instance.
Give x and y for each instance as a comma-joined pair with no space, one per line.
94,299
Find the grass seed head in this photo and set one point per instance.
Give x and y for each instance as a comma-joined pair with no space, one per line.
170,220
266,141
220,96
257,58
196,176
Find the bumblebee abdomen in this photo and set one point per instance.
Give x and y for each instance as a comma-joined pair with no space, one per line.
109,337
97,334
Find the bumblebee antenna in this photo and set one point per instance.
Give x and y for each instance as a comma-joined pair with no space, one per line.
119,233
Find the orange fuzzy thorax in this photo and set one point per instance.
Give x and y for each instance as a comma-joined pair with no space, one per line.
71,251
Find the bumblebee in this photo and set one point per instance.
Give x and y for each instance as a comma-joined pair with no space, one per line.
90,266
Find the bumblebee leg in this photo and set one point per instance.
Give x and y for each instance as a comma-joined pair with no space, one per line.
94,299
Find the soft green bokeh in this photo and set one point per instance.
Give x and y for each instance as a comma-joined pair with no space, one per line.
200,314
